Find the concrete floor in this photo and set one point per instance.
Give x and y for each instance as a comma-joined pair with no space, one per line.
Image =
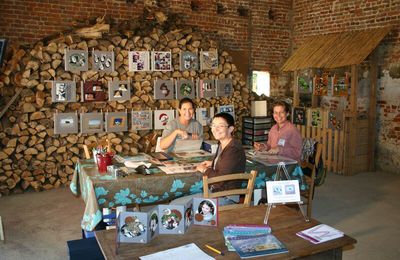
365,206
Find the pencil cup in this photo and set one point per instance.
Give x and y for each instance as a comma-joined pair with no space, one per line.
103,160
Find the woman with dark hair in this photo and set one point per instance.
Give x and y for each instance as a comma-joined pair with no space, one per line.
283,138
183,127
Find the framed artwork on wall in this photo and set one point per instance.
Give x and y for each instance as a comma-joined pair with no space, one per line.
299,116
204,115
164,89
119,90
161,60
93,91
188,60
63,91
304,84
3,46
230,109
208,60
139,61
66,123
76,60
116,121
315,117
142,120
92,123
341,85
205,88
103,61
162,117
321,85
185,88
224,87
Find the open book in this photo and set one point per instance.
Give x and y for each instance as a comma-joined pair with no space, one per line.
320,234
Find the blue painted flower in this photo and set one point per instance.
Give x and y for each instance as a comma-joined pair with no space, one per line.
111,204
143,194
101,201
260,180
166,195
100,191
121,197
133,196
138,200
89,221
151,199
197,187
178,194
177,184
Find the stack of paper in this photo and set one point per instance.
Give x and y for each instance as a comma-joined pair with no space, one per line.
189,251
320,234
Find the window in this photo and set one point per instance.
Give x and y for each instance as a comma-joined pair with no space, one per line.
261,82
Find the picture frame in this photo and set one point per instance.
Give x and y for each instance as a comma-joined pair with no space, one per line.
142,120
116,121
185,88
76,60
92,122
63,91
230,109
224,87
204,115
119,90
93,91
206,88
139,61
103,61
205,212
299,116
304,84
3,47
341,85
161,60
188,60
321,85
66,123
171,219
208,60
132,227
163,89
283,191
315,117
162,117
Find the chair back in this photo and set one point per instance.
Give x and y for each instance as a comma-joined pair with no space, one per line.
247,192
105,143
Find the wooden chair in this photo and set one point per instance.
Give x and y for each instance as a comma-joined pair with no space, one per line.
308,195
248,191
89,147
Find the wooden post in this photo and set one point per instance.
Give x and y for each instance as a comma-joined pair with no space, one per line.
372,112
296,96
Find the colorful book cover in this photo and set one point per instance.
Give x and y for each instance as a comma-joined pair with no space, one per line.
205,88
185,88
315,117
233,230
321,85
116,121
254,246
162,117
334,120
299,116
304,83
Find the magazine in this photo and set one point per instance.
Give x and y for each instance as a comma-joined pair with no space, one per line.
320,234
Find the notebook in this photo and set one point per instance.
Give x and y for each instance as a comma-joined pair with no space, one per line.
183,145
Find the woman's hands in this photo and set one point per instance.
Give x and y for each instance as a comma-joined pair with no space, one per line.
185,135
202,167
260,146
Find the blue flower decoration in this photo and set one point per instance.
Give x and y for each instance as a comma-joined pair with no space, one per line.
166,195
197,187
151,199
178,194
133,196
89,221
101,201
121,197
143,194
260,180
111,204
138,200
100,191
178,184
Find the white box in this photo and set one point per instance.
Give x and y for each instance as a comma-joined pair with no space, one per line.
259,108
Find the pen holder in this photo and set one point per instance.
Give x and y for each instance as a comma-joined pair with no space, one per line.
103,160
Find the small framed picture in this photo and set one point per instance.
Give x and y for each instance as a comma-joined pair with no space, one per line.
205,88
66,123
132,227
163,89
142,120
230,109
63,91
204,115
76,60
162,117
92,123
283,191
139,61
119,90
161,60
116,121
205,211
185,88
299,116
93,91
103,61
224,87
171,219
189,61
208,60
3,46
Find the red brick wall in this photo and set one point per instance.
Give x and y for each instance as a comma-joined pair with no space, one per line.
314,17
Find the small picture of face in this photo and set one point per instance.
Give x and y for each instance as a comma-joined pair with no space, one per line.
188,216
61,91
153,225
206,211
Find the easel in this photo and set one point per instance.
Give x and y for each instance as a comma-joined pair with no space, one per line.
282,168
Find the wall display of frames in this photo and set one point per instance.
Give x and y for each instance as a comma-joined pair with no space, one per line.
163,89
142,120
103,61
162,117
66,123
93,91
185,88
76,60
230,109
92,123
208,60
205,88
161,60
139,61
116,121
63,91
224,87
119,90
188,61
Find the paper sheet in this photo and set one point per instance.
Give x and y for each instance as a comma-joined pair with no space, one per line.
189,251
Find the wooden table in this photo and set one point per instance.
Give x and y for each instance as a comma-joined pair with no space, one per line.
284,221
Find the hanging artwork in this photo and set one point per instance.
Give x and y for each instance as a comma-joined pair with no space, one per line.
66,123
163,89
185,88
205,88
341,85
76,60
142,120
162,117
92,123
161,60
93,91
321,85
315,117
63,91
204,115
189,61
103,61
116,121
230,109
208,60
304,83
139,61
224,87
119,90
299,116
333,120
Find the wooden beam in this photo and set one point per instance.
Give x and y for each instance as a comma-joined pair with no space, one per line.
296,96
372,111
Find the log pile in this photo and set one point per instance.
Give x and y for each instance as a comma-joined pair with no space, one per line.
31,156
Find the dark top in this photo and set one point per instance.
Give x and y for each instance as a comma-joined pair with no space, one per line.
231,160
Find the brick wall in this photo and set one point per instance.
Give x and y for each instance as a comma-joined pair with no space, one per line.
314,17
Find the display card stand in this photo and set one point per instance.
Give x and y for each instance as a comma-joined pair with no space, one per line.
281,169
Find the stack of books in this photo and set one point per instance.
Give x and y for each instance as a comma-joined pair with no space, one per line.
320,234
252,240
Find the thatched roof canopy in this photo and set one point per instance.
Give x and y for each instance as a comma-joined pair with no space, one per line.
335,50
